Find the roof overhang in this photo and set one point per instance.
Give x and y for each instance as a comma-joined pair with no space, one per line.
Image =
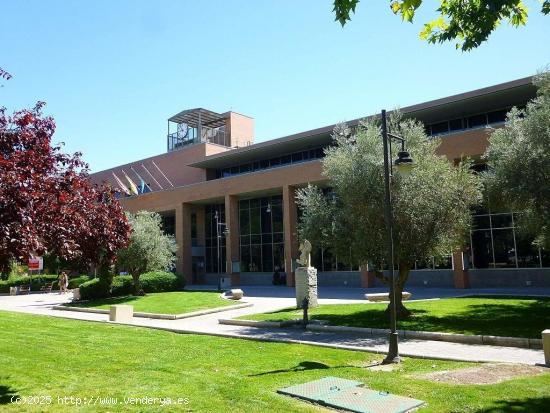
204,117
516,92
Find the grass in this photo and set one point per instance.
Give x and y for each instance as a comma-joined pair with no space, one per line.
164,303
490,315
44,356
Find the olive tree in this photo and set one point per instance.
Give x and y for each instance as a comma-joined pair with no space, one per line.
150,249
519,166
431,205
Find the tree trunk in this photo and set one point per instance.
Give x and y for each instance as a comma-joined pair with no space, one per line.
401,311
137,285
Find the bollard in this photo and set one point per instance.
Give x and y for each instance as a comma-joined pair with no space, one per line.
121,313
305,318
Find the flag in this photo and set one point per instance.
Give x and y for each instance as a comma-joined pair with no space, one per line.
143,187
131,185
121,185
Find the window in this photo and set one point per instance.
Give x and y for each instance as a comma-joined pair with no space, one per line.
477,121
497,116
495,242
287,159
439,128
212,258
168,223
261,229
456,124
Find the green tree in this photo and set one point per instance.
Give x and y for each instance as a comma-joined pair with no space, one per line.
150,249
519,164
468,22
431,205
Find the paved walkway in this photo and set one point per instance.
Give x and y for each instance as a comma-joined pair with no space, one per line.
275,298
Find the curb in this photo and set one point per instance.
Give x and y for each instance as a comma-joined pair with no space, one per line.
259,324
530,343
156,315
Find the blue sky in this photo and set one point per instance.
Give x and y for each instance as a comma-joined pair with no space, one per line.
112,72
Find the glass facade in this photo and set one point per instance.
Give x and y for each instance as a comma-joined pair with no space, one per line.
212,259
324,260
495,242
460,124
288,159
261,234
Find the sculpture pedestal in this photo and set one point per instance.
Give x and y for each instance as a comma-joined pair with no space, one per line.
306,286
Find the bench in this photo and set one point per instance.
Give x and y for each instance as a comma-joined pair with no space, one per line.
24,289
47,288
386,296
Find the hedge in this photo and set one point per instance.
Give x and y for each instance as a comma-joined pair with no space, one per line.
36,281
94,289
122,285
158,281
75,282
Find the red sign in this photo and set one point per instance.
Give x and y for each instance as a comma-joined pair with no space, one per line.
36,264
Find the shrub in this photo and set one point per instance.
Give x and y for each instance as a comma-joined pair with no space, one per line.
158,281
36,281
122,285
94,289
75,282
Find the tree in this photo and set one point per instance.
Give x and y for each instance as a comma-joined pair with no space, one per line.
519,166
47,203
150,249
468,22
431,205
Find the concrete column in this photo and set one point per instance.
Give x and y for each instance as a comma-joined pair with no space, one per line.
183,239
367,277
290,220
461,275
232,241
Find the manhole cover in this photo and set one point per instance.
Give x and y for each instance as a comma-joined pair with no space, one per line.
318,389
363,400
348,395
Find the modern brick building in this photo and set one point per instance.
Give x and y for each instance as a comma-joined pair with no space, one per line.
213,168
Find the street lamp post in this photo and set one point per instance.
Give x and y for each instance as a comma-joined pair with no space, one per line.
218,237
403,164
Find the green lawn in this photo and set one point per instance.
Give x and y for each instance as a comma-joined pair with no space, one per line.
165,303
46,356
499,316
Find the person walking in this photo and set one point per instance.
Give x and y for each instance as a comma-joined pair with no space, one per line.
63,282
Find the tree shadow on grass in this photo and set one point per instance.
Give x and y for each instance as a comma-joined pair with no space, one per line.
303,366
531,405
526,319
7,393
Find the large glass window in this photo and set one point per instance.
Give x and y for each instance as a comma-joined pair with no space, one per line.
262,239
495,242
168,222
213,260
324,260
